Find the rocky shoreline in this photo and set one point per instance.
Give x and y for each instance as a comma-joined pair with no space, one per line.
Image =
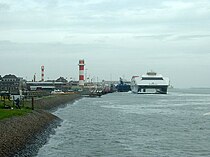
24,135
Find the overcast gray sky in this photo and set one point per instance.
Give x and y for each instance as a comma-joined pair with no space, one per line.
117,38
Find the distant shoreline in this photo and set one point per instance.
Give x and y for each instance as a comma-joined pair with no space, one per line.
18,133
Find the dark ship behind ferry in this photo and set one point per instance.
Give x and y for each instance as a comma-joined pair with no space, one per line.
123,86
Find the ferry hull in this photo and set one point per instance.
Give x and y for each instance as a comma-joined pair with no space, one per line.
146,89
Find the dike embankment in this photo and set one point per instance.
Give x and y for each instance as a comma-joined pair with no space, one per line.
52,102
24,135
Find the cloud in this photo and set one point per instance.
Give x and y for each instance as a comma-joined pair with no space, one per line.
4,7
164,34
172,37
3,42
159,37
104,14
191,37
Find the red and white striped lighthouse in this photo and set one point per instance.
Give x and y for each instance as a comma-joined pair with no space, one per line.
42,74
81,72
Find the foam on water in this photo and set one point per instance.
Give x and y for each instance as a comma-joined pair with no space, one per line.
207,114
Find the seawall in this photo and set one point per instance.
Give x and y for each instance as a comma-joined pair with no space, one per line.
24,135
51,103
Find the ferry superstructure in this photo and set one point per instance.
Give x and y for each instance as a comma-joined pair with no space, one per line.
151,82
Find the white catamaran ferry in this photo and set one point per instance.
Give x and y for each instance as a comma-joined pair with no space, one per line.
149,83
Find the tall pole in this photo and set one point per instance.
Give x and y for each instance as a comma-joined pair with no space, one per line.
34,77
32,103
42,75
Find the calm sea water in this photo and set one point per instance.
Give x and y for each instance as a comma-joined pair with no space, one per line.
129,125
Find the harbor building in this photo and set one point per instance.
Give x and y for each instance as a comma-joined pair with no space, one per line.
61,83
12,84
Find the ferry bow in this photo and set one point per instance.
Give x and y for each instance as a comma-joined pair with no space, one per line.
151,82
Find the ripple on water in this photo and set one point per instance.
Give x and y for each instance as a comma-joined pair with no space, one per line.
128,125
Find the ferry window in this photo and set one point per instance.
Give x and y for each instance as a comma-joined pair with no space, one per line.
158,78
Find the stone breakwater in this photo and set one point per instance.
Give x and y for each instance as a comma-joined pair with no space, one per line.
17,132
24,135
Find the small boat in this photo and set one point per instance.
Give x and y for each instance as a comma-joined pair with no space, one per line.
95,94
57,91
151,83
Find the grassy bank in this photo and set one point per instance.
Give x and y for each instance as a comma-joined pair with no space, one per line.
13,111
5,113
44,103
